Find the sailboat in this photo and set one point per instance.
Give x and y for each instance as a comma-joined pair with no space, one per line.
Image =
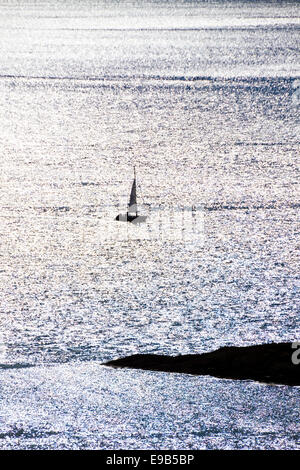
132,213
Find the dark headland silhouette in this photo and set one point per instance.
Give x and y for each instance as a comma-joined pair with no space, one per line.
269,363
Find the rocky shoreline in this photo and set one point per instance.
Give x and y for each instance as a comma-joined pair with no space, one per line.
269,363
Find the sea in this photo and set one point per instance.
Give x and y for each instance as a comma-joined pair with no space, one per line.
202,98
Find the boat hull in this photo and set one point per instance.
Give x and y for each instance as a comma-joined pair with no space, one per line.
135,219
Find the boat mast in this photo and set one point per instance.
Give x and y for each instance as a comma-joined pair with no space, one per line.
134,176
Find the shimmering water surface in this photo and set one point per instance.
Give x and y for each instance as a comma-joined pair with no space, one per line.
203,97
